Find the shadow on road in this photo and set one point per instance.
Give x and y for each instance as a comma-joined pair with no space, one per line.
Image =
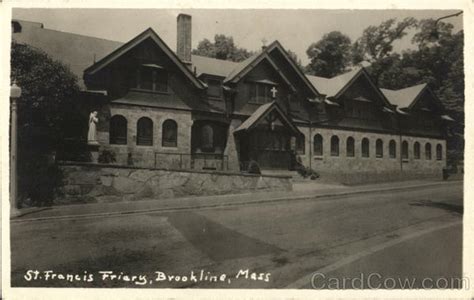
442,205
216,241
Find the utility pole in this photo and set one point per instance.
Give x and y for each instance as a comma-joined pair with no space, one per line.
15,93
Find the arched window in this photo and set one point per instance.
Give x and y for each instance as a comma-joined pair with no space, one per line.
405,150
334,146
350,147
365,147
439,152
207,138
145,131
118,130
169,134
428,151
318,145
379,148
392,149
416,150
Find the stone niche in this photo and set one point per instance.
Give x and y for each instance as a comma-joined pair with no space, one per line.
96,183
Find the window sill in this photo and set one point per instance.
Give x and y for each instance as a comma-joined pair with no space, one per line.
170,147
214,98
257,103
405,160
150,91
318,158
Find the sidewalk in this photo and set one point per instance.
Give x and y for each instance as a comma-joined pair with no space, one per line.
300,191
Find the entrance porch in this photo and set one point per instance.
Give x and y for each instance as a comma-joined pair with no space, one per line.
268,138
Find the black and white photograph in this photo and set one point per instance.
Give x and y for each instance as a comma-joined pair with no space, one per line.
191,148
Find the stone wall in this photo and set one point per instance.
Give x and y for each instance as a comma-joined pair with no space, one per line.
371,168
90,183
144,156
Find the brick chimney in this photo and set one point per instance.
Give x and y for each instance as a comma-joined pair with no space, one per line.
183,48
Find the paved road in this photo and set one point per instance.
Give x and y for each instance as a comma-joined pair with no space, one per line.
278,243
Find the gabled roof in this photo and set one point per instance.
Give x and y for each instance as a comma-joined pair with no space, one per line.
247,65
212,66
336,86
261,113
74,50
149,33
404,98
331,86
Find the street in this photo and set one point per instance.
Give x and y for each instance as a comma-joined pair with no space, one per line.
265,245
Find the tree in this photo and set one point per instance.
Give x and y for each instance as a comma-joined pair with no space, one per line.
376,44
438,61
222,48
330,56
295,59
48,89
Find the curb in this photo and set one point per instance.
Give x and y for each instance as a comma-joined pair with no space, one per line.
204,206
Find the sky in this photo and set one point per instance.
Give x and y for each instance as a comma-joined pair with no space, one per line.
296,29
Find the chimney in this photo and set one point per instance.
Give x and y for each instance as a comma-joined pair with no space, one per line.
183,48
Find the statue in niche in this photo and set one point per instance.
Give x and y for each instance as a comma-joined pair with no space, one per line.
92,133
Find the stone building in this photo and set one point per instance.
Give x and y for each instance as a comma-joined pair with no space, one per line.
162,109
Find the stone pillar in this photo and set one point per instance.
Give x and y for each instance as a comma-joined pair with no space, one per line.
94,152
232,147
15,93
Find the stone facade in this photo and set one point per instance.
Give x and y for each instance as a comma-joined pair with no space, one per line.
155,155
91,183
372,166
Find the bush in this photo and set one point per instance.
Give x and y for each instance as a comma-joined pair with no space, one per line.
107,157
306,172
41,185
44,112
254,168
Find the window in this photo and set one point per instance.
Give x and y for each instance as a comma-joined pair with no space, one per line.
214,87
404,150
334,146
365,147
260,93
300,144
428,151
152,78
416,150
350,147
439,152
318,145
379,148
207,138
118,130
169,134
392,149
145,132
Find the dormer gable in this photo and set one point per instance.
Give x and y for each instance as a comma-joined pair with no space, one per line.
144,58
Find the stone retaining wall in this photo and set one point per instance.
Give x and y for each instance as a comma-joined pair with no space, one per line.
90,183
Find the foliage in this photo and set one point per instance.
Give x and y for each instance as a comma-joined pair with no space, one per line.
438,61
376,43
329,56
295,59
44,109
253,168
106,157
304,171
223,48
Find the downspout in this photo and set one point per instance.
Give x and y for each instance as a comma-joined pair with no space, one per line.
400,143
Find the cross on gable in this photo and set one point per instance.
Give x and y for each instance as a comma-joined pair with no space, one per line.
274,91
